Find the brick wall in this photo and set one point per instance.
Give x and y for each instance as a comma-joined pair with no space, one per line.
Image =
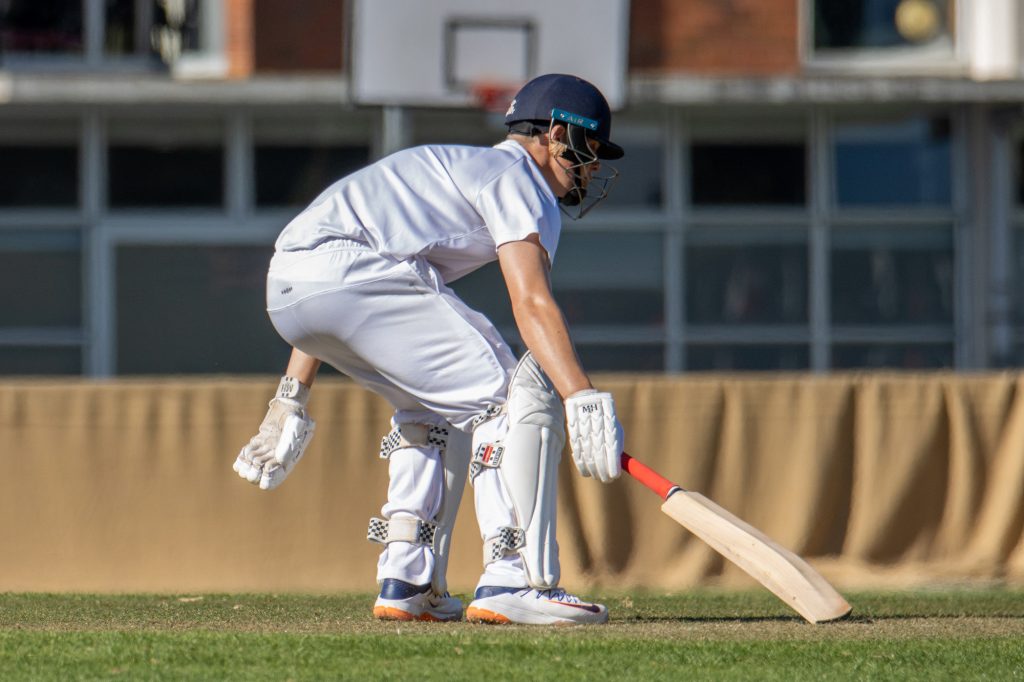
238,26
298,36
714,37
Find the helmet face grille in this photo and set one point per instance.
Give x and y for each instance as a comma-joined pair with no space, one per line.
580,200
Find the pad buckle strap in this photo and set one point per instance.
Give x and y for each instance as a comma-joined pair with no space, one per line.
508,541
409,435
486,455
489,414
416,531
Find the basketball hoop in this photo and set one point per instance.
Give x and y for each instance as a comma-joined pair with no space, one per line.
492,96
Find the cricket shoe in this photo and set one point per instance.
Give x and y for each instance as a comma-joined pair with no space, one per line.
400,600
532,607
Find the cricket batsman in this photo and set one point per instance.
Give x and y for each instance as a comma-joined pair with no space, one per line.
360,280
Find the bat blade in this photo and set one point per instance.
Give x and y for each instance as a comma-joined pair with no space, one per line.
785,574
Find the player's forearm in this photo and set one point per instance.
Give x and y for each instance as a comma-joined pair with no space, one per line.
544,331
302,367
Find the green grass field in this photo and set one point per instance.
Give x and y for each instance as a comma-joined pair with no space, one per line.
930,635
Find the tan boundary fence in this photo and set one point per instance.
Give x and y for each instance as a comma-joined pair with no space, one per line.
879,479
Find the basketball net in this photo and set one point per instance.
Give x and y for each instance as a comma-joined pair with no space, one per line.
493,96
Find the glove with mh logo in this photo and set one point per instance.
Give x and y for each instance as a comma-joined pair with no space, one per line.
595,434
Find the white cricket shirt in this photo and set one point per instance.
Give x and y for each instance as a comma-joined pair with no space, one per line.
454,205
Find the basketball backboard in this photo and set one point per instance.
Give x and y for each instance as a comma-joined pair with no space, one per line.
443,52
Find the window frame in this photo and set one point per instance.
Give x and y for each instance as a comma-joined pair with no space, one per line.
1013,347
210,61
271,128
42,126
678,223
921,221
951,61
142,127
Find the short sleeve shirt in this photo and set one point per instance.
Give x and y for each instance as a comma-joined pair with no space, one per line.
453,205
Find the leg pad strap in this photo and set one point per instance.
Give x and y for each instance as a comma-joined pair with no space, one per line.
406,435
416,531
508,541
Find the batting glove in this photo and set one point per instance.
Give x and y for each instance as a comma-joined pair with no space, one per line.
282,439
595,434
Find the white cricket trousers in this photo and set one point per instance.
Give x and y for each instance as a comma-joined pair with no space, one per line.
395,328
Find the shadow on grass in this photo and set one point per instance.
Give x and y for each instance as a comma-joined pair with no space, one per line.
709,619
949,616
853,618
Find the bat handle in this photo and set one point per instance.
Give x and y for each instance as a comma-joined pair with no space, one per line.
648,476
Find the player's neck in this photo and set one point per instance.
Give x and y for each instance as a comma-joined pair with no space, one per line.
538,150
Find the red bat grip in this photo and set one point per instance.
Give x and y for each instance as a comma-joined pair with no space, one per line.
648,476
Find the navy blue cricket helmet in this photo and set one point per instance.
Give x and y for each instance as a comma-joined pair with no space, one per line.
561,98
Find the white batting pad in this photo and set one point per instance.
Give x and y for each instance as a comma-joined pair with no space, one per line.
529,470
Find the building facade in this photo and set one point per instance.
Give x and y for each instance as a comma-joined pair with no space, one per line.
809,184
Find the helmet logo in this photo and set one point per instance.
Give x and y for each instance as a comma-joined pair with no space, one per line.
511,109
575,119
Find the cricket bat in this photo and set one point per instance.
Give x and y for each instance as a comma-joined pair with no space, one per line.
786,575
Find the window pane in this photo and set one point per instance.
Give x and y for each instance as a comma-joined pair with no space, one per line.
485,292
22,166
293,175
1019,172
166,176
881,23
120,34
738,174
598,279
639,181
622,358
34,360
449,126
756,284
892,277
41,26
609,279
898,163
726,357
611,307
169,29
1018,270
45,269
893,356
184,22
195,310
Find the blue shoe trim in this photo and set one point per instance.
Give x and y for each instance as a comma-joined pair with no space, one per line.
393,588
485,591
